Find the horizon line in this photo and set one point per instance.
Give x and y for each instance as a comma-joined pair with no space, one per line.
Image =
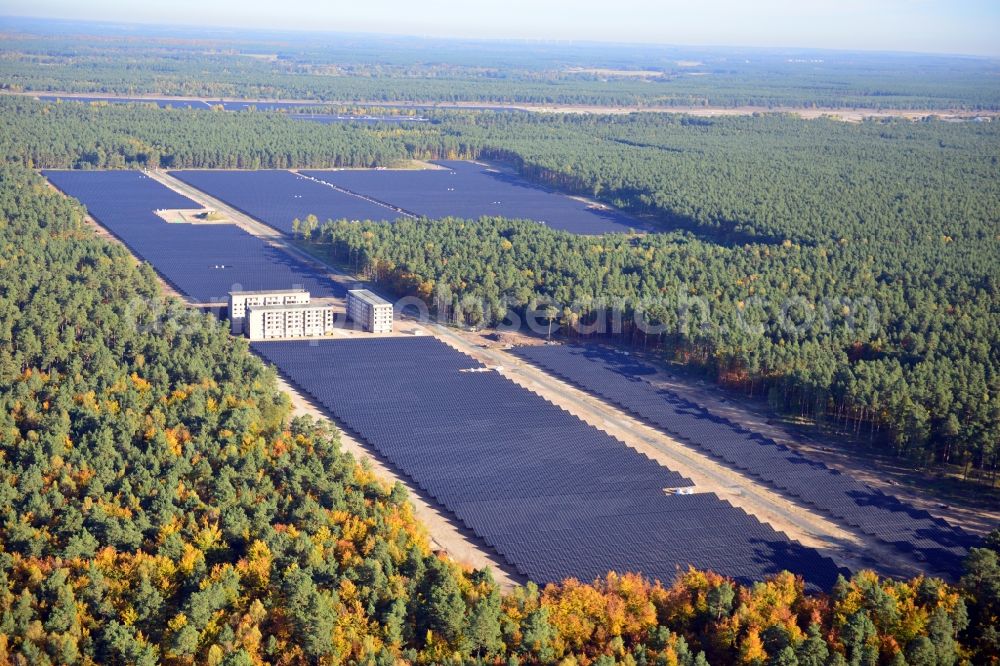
491,40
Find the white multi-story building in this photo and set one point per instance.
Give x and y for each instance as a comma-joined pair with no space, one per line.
373,313
295,320
239,301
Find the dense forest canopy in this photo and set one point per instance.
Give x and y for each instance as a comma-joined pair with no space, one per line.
74,135
160,505
770,175
129,60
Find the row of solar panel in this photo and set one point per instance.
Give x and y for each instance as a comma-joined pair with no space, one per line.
619,379
554,496
463,189
237,105
469,190
278,197
203,261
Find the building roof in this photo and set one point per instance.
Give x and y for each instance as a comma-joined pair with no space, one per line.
295,290
289,306
368,296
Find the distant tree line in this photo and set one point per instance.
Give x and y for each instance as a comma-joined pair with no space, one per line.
104,136
73,64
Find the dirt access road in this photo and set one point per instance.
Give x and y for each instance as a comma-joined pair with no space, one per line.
883,472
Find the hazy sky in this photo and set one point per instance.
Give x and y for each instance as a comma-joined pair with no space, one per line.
948,26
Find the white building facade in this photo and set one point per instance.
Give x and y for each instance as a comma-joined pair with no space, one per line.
240,301
295,320
371,312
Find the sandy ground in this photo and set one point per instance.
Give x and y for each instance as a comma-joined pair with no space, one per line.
846,114
201,216
617,73
978,519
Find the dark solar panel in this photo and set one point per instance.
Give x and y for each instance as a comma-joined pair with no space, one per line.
334,119
163,103
203,261
469,190
619,379
247,105
552,495
278,197
294,110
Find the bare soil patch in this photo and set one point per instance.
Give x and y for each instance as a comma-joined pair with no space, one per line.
192,216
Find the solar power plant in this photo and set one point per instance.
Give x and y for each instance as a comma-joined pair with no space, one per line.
160,102
331,119
619,379
293,107
552,495
468,190
247,105
176,102
277,197
203,261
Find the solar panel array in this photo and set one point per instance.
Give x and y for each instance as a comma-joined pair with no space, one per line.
247,105
294,109
278,197
618,379
244,105
332,119
469,190
182,103
203,261
552,495
163,103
